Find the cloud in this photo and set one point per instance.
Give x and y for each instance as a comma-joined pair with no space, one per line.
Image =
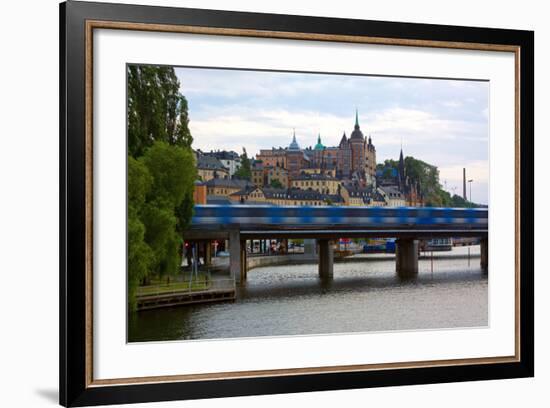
274,127
452,104
443,122
476,170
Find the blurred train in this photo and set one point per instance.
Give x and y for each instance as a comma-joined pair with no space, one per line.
327,216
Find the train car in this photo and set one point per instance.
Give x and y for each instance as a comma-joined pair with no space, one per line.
375,247
436,244
216,216
390,245
465,241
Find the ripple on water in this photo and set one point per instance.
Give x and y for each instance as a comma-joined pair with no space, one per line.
362,297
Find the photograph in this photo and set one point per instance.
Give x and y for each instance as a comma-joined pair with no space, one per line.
286,203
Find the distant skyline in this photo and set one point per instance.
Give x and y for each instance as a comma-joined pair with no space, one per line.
442,122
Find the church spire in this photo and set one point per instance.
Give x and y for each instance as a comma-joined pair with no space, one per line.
319,145
357,135
294,144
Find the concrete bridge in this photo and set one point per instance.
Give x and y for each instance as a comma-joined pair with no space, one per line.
238,223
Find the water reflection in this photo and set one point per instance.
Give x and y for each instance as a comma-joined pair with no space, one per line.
362,296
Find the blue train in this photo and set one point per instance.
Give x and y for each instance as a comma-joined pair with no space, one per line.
357,217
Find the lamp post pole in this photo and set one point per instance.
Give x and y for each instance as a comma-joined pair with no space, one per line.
470,182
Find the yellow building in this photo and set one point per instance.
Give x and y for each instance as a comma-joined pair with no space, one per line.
225,187
300,197
279,174
258,177
283,196
318,182
318,170
248,194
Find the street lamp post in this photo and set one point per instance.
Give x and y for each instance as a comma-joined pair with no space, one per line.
470,182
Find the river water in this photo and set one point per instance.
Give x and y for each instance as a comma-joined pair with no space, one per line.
363,296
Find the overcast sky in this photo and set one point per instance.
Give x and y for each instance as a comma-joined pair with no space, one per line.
443,122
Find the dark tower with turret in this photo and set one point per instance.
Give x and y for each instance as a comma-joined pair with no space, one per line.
401,171
357,144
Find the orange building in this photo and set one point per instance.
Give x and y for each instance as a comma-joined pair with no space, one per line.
199,193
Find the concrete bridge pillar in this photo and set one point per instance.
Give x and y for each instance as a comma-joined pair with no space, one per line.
244,268
326,259
235,255
207,253
484,262
406,257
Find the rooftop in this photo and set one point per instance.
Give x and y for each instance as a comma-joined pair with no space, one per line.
216,199
223,155
206,162
229,183
314,176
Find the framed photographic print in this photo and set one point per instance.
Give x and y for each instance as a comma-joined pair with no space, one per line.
256,203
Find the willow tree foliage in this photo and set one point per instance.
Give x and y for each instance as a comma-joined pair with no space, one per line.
140,255
172,171
156,110
161,174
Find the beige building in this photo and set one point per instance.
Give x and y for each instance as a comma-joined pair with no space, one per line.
273,157
362,196
208,168
351,198
392,196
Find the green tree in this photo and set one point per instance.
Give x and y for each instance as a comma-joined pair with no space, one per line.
156,110
140,255
164,213
457,201
184,211
275,183
161,173
244,172
420,172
